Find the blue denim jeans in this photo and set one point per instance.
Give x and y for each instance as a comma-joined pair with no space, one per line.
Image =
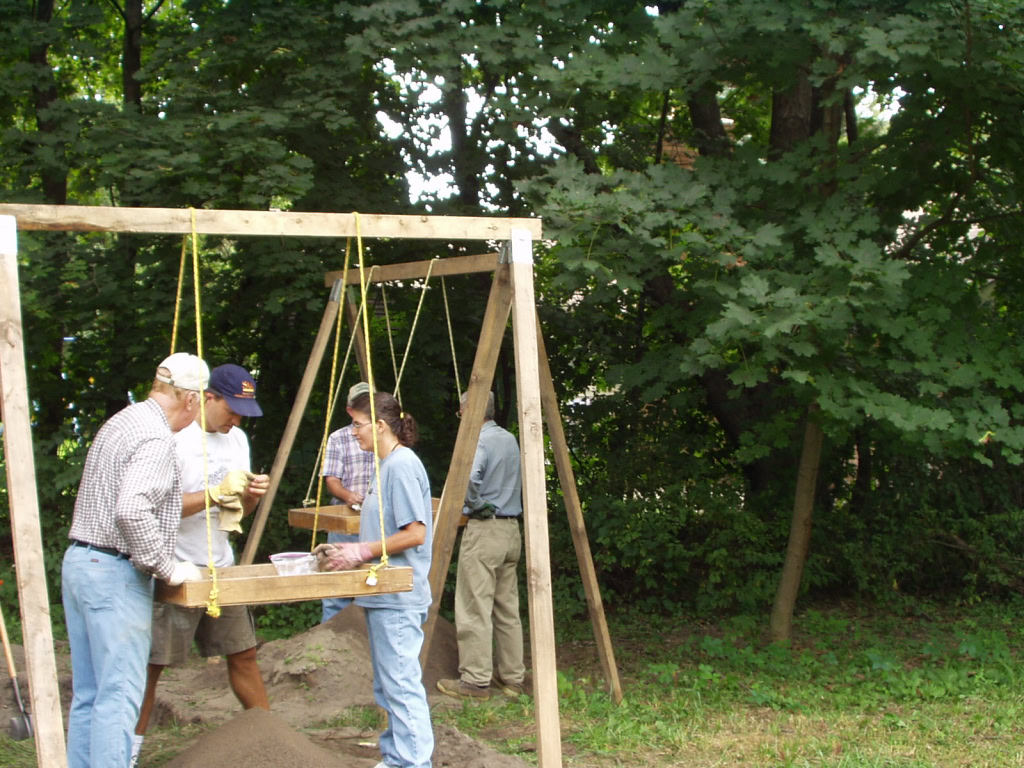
396,637
108,607
334,605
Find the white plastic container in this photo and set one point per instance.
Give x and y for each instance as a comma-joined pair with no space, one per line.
291,563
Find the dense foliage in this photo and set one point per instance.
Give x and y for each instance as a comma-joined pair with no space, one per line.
758,214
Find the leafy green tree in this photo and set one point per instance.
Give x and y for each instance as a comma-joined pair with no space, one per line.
803,273
746,270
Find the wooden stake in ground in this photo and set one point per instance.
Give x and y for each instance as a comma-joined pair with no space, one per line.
24,510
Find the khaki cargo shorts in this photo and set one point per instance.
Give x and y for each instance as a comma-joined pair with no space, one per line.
176,626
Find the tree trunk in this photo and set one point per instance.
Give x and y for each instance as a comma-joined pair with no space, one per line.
464,155
131,61
799,531
48,383
123,320
797,114
709,131
791,116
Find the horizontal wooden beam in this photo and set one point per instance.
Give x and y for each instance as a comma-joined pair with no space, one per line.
178,221
338,518
412,270
252,584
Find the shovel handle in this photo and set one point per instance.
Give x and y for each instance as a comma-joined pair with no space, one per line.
7,646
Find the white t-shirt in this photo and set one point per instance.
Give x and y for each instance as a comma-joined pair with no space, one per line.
224,452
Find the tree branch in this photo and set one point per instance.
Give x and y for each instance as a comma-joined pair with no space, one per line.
918,236
118,8
156,8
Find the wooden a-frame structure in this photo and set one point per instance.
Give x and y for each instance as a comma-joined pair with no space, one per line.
511,293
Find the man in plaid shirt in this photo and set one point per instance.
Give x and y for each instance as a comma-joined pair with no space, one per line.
122,535
346,472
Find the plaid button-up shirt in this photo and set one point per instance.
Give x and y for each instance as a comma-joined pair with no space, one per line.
130,494
345,460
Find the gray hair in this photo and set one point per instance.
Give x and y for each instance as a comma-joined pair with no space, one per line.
488,413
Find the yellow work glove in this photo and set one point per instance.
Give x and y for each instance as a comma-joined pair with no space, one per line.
233,483
230,516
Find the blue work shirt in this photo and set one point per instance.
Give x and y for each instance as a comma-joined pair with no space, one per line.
496,477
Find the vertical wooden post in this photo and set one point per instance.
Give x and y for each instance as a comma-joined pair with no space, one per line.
454,494
352,314
574,510
24,511
292,427
535,512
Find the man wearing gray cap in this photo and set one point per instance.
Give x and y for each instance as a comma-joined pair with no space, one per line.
122,534
346,471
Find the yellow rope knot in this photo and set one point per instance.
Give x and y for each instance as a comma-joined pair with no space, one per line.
212,605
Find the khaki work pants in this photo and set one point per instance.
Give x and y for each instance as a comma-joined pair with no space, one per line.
487,602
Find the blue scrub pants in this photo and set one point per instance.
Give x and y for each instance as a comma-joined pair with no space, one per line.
396,637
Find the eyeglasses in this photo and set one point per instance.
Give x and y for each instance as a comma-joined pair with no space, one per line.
360,425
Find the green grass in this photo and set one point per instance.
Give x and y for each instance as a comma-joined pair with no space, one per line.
366,718
919,685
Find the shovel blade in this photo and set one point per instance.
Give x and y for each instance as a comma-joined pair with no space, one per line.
21,728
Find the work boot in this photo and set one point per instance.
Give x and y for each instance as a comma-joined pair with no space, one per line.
515,690
460,689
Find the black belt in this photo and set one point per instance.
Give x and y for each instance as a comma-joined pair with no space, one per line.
105,550
496,517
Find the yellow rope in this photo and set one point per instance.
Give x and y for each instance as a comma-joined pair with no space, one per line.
177,299
308,501
330,394
212,604
451,338
391,338
412,331
371,577
320,457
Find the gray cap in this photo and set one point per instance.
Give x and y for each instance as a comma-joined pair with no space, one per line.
357,389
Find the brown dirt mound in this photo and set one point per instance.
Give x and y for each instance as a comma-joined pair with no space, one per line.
257,739
311,679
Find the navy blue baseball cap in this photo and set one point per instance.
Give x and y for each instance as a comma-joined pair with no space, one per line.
234,384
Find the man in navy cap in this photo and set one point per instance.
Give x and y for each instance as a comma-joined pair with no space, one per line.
233,492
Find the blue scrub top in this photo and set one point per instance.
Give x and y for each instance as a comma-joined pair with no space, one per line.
406,492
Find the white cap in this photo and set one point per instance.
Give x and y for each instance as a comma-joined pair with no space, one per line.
184,371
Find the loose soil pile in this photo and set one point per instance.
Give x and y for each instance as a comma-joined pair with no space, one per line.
260,739
312,679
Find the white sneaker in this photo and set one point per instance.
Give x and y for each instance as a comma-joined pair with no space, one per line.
133,762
